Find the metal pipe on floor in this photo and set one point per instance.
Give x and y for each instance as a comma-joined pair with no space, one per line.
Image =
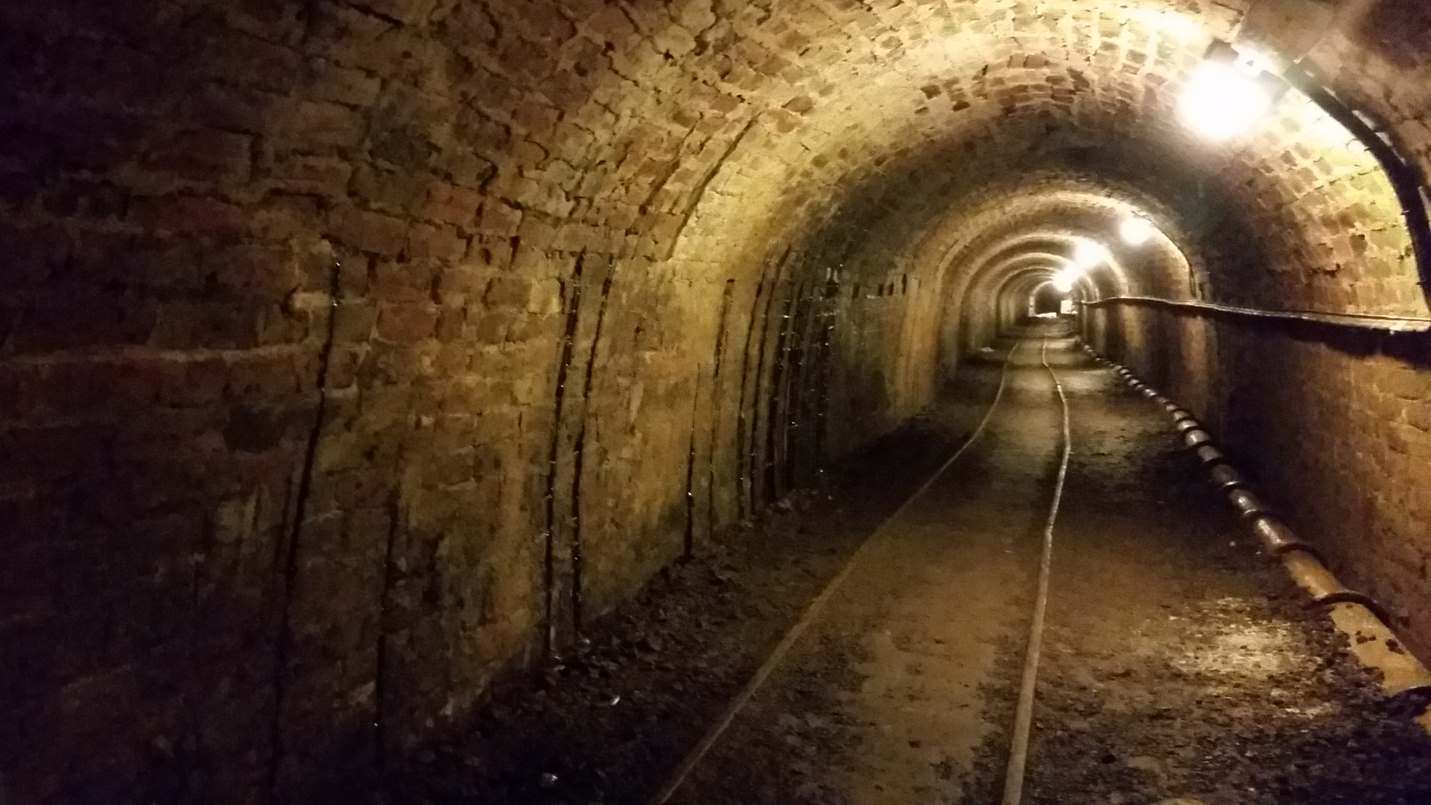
1226,477
1357,615
1023,713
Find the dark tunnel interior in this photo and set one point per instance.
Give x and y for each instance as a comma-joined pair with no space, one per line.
358,357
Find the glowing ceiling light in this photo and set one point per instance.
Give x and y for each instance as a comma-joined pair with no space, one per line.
1136,230
1223,99
1088,254
1065,279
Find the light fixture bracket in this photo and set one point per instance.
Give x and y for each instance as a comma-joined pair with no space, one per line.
1285,29
1254,65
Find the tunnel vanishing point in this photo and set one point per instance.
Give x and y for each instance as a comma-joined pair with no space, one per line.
353,354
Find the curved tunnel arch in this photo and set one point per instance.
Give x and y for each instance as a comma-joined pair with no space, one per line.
1022,294
614,274
973,288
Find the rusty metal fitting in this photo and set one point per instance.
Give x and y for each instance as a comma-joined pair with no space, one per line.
1195,438
1226,477
1247,504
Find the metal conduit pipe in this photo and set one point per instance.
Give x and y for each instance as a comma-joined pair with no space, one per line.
1357,615
1278,537
1196,438
1353,321
1209,455
1226,477
1247,504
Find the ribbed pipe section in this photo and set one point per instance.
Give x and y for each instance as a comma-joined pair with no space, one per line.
1355,614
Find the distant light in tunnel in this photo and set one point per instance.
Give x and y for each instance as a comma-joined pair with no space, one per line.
1223,99
1136,231
1089,254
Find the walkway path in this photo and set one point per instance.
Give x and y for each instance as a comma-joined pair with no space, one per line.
1166,671
1176,664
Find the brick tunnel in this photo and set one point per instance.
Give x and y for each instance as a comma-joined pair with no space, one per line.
600,400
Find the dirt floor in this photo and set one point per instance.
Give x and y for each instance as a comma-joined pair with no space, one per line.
1178,664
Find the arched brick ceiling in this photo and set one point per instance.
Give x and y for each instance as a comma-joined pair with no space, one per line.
1322,214
976,278
723,133
877,105
1377,57
972,235
963,250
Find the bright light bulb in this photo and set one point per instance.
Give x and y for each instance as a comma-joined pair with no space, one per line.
1222,101
1064,280
1088,254
1136,231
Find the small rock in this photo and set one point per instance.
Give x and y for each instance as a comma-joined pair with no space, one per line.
1145,763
